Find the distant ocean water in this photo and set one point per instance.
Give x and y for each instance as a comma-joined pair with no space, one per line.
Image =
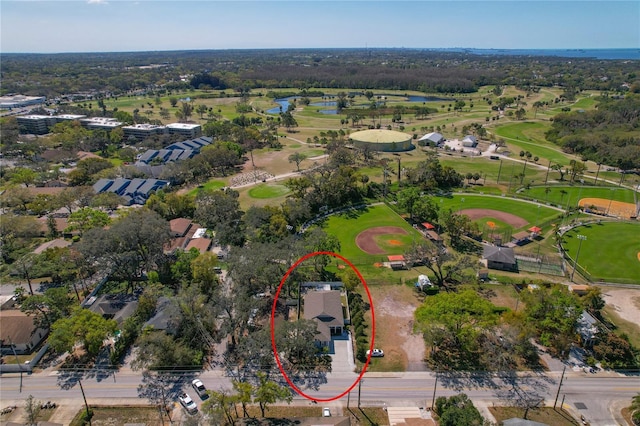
567,53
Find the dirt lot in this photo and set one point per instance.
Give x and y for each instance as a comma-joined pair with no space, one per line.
394,307
626,302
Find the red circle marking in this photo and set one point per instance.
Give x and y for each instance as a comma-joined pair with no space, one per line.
273,335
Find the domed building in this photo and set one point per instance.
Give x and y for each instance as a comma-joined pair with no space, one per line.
382,140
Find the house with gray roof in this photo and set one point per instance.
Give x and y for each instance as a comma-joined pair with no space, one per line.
151,185
119,186
165,318
325,308
132,191
102,185
148,156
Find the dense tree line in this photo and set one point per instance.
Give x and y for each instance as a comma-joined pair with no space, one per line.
607,135
418,69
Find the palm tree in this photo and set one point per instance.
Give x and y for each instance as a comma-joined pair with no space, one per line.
562,194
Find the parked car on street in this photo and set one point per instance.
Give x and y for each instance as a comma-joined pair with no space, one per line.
326,412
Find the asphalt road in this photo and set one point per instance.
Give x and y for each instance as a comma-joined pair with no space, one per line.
596,391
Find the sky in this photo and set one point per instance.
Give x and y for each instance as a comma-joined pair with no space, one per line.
53,26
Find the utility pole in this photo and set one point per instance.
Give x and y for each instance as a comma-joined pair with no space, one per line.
499,170
85,401
13,348
433,398
559,386
359,389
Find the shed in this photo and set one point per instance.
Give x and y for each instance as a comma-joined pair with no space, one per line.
501,258
432,138
397,261
433,236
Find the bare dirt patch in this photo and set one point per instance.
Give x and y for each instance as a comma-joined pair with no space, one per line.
626,302
508,218
394,308
613,207
366,239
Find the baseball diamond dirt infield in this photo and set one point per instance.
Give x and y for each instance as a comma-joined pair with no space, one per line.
611,207
366,239
508,218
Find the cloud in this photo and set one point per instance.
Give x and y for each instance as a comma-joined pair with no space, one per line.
97,2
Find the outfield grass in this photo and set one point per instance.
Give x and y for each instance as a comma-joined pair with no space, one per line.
609,253
573,194
528,211
347,226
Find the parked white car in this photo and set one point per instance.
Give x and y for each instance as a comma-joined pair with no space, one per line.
188,403
376,353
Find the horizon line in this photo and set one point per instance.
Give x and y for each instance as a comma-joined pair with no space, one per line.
322,48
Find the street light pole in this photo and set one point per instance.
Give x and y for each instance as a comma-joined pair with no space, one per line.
575,263
613,192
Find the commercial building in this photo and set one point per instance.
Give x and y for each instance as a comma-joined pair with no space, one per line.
143,131
41,124
184,129
20,101
100,123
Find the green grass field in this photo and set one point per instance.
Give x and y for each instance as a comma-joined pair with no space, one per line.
210,185
573,194
347,226
528,211
529,136
268,191
609,253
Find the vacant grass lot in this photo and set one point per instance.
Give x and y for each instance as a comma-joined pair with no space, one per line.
546,415
610,252
108,416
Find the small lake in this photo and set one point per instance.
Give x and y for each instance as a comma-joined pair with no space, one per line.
284,103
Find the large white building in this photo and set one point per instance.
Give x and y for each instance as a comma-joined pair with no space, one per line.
143,131
40,124
100,123
19,101
184,129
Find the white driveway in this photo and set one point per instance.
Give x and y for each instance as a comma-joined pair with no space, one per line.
342,360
